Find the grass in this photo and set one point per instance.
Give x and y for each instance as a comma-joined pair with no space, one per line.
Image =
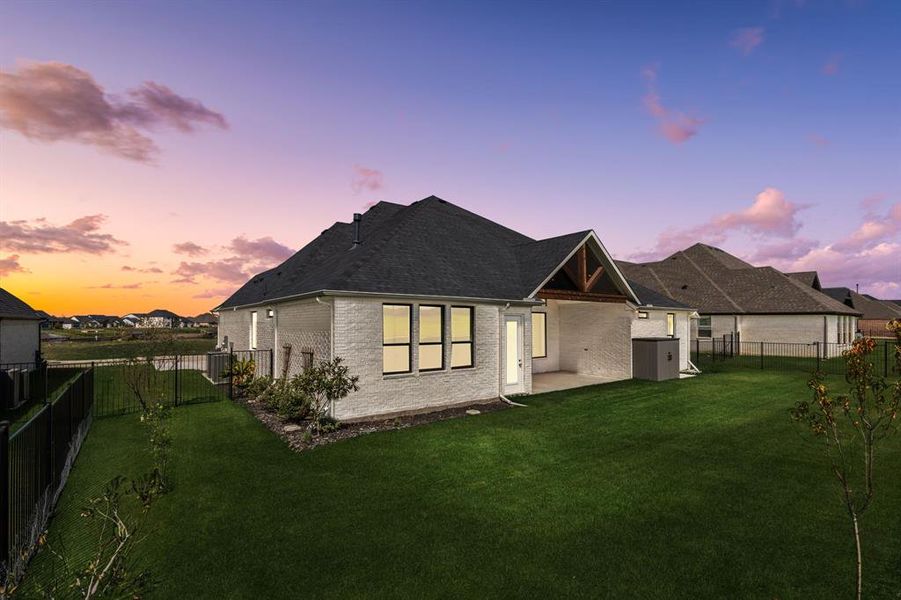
84,350
700,488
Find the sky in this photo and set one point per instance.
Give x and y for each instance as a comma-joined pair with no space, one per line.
157,154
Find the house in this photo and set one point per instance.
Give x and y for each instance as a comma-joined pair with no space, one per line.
431,305
48,321
206,320
20,331
875,313
85,322
753,304
155,318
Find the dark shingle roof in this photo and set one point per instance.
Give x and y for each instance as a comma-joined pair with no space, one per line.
868,306
715,282
809,278
429,248
648,297
12,307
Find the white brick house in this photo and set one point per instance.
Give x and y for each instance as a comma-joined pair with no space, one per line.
432,305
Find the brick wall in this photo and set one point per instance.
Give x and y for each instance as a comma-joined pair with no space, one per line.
358,340
655,326
596,339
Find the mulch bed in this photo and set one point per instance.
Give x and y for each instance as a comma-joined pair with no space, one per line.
295,439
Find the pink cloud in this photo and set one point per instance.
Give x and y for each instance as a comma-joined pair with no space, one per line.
113,286
876,266
818,140
675,126
40,237
53,101
222,292
261,249
747,39
832,66
10,265
128,268
770,215
367,179
780,252
874,229
230,270
189,248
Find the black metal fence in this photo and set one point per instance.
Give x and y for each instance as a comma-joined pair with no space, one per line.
121,385
784,356
35,460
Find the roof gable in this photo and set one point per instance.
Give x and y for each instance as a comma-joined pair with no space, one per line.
12,307
429,248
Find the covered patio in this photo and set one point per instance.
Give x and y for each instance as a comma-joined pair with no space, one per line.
565,380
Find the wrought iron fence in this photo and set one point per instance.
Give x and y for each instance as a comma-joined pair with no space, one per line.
784,356
121,386
35,458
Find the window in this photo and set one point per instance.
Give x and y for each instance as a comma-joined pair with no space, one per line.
671,324
431,338
462,328
539,335
253,330
396,325
642,314
705,328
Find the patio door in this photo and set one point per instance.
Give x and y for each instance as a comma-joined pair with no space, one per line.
513,355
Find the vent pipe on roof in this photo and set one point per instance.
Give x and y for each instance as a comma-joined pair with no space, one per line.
357,218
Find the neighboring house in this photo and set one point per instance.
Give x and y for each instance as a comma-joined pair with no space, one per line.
875,313
155,318
85,322
432,305
206,320
20,331
48,321
754,304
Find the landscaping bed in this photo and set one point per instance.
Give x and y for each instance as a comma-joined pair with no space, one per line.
295,434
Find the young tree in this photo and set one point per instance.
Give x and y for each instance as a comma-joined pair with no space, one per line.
851,425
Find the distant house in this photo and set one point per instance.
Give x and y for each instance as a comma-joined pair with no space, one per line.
735,298
432,305
48,321
20,330
206,320
875,313
159,318
85,322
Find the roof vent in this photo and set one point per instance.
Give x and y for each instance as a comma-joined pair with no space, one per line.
357,218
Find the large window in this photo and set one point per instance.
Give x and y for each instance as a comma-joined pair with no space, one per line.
253,330
671,324
396,325
539,335
461,337
705,327
431,338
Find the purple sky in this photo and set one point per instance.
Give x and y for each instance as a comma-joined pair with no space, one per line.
170,149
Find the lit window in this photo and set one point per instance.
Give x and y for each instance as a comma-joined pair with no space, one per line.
671,324
253,330
642,314
705,327
461,336
431,338
539,335
396,338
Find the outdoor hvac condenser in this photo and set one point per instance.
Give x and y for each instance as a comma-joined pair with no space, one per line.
655,358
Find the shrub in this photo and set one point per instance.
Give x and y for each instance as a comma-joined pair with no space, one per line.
321,385
241,372
258,386
155,418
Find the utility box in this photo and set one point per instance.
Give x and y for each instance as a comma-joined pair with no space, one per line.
655,359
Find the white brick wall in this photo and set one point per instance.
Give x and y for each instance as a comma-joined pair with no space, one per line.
552,361
655,326
596,339
18,340
301,323
358,340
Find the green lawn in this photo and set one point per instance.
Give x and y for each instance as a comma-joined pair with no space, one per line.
700,488
84,350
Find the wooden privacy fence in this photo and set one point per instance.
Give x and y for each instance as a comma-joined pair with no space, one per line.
34,464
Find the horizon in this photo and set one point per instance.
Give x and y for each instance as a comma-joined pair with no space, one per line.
148,161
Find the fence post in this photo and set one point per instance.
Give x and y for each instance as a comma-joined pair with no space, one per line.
272,363
4,497
231,377
817,344
761,356
885,357
176,380
46,382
